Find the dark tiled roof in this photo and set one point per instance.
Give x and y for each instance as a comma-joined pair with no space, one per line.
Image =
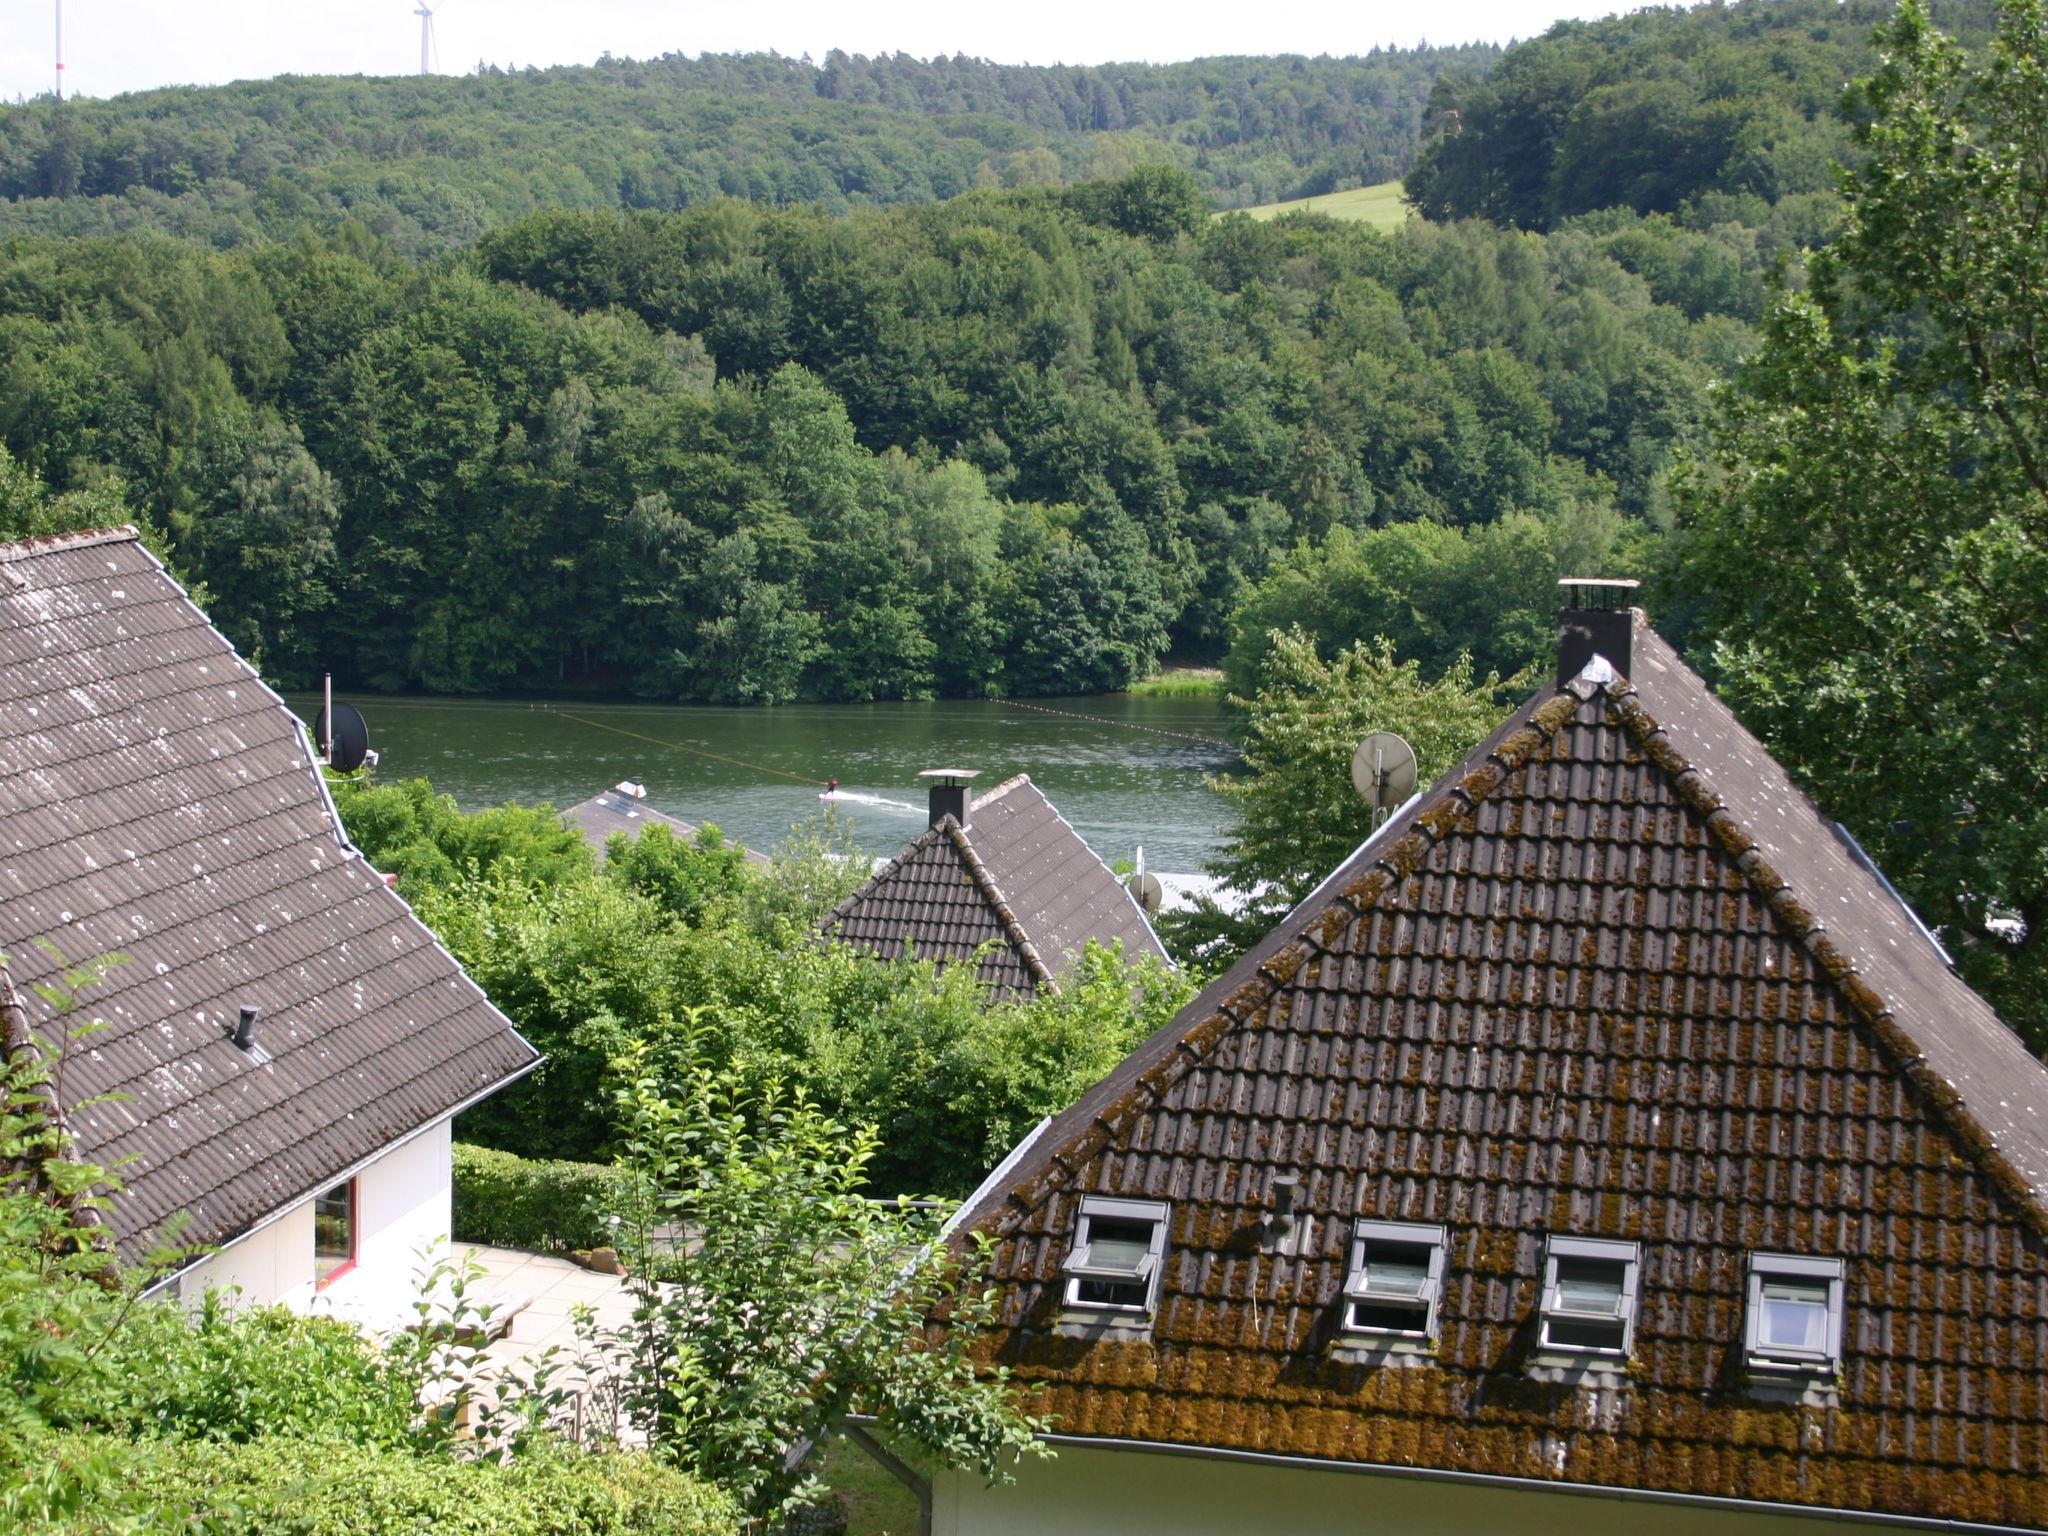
1615,977
1018,879
158,802
602,817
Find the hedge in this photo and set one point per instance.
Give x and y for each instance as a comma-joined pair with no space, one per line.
285,1486
517,1202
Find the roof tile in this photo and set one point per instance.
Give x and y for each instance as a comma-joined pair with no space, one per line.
1580,990
160,804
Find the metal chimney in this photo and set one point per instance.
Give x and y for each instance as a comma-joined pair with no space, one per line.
1596,620
245,1027
948,793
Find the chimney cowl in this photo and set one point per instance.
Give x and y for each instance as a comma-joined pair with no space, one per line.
948,793
1596,620
245,1027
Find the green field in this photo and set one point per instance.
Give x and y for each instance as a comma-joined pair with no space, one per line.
1379,206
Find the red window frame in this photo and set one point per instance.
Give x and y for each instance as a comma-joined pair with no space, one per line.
348,1190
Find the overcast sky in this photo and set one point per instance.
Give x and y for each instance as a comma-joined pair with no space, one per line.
125,45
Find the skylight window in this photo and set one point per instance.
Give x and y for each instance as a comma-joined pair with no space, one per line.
1795,1313
1395,1281
1119,1246
1590,1289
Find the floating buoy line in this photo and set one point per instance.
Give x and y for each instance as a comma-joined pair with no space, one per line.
677,746
1126,725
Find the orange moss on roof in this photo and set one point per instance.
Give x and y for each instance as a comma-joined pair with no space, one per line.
1591,1010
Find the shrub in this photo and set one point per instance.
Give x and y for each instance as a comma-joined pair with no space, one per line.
282,1486
523,1203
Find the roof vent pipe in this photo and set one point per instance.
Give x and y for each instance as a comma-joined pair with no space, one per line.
948,793
245,1027
1596,620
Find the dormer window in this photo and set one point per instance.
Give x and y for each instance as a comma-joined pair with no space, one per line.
1395,1281
1794,1320
1590,1291
1119,1246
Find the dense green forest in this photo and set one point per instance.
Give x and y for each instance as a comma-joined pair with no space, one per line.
1021,442
431,162
1729,112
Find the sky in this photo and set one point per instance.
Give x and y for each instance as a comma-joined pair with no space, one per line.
112,46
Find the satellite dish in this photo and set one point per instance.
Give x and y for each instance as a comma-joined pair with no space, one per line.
1383,771
351,745
1146,890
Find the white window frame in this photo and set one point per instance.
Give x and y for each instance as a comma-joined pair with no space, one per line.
1077,1269
1358,1290
1829,1276
1602,1250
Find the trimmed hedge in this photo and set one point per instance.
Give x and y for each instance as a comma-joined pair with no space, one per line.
518,1202
279,1486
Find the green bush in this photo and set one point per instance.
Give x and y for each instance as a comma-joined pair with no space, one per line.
281,1486
522,1203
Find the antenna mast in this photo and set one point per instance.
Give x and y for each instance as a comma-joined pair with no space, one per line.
60,50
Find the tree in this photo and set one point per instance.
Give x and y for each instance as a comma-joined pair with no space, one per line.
1298,815
1870,547
794,1301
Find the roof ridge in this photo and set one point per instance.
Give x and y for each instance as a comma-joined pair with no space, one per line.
985,883
1395,862
1004,788
53,543
1699,796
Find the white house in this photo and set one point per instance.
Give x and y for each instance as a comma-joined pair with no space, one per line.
284,1044
1604,1146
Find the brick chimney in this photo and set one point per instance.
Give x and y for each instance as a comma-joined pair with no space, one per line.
948,792
1597,619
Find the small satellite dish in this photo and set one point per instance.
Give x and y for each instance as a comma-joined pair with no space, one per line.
351,745
1383,771
1146,890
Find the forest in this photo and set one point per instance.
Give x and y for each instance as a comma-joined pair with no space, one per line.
1682,293
429,163
1020,442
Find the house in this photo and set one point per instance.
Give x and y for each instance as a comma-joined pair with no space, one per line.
623,811
284,1044
1004,877
1605,1146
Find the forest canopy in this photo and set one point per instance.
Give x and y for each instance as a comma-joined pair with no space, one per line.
1019,442
431,162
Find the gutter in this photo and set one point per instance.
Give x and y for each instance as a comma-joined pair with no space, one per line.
349,1172
1713,1501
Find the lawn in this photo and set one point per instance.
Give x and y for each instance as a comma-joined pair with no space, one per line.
874,1502
1379,206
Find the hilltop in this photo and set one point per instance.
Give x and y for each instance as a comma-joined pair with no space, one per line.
430,162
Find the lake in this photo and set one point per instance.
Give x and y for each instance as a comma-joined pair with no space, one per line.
1126,771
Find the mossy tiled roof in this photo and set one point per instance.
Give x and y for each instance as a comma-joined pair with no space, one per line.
1017,886
1615,977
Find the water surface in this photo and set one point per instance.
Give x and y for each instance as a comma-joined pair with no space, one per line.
1125,771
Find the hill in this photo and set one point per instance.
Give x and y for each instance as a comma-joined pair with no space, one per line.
430,162
1731,108
1381,206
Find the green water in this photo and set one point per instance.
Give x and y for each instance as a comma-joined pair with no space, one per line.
1103,761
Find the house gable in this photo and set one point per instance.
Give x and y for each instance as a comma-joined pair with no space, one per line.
1567,997
1017,886
161,812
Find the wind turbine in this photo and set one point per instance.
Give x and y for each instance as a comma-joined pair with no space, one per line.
425,12
60,50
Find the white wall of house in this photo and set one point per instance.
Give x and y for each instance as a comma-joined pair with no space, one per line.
1142,1493
403,1201
273,1263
